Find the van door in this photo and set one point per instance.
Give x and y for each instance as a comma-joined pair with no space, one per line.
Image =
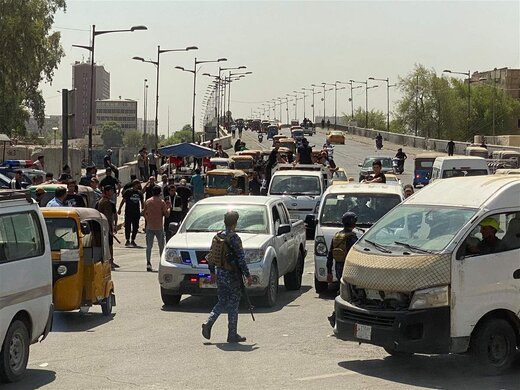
484,280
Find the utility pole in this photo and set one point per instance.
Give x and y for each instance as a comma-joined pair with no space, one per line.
64,126
494,98
416,108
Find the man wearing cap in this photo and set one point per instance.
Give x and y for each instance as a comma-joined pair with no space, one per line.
228,282
490,242
133,198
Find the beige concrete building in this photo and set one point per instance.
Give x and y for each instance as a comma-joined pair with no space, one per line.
121,111
505,79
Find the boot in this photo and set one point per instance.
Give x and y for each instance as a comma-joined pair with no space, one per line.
235,338
206,330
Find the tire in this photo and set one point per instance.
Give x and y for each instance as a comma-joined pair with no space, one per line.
494,345
14,353
320,287
271,293
169,299
293,280
398,354
107,304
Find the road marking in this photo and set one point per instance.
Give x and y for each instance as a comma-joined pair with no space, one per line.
325,376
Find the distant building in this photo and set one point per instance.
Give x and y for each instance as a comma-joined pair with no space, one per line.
150,125
81,83
121,111
506,79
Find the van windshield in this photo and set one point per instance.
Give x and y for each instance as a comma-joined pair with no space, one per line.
63,233
463,172
418,228
295,185
369,208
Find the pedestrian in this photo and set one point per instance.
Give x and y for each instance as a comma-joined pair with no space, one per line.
148,188
328,124
130,183
450,147
39,163
233,189
408,190
197,186
110,180
60,193
40,193
185,193
133,199
153,157
221,153
37,180
89,173
228,278
176,214
49,178
339,248
155,209
66,172
73,199
237,146
323,123
107,163
255,185
16,182
106,207
164,185
94,184
141,166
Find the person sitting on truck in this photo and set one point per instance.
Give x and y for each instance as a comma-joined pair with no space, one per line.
490,243
379,176
304,153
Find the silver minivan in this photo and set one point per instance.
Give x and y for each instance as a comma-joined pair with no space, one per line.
25,281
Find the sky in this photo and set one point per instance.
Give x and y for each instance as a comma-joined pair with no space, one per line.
288,45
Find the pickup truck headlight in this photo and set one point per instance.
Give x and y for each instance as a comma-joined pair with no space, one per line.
172,256
430,297
320,246
253,255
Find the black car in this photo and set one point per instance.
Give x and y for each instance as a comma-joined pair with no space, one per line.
366,166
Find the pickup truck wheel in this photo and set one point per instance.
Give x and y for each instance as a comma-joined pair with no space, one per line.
169,299
14,353
320,287
494,345
293,280
269,299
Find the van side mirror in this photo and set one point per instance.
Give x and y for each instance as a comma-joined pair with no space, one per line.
283,229
310,221
173,227
85,228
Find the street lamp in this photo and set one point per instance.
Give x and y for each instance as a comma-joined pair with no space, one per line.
92,97
194,72
366,99
311,90
468,73
218,104
236,76
157,64
304,96
295,105
387,99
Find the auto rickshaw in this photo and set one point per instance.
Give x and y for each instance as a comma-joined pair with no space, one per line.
87,193
220,162
80,259
477,151
219,180
244,163
277,138
423,168
272,130
287,143
512,155
297,135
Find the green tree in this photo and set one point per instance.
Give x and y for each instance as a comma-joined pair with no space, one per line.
133,138
376,119
183,135
29,54
112,135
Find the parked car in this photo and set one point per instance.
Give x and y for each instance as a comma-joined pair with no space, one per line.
5,182
336,137
366,166
28,174
274,246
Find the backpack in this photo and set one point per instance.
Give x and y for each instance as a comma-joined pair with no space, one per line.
339,245
219,252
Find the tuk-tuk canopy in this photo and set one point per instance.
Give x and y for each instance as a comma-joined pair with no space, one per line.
187,149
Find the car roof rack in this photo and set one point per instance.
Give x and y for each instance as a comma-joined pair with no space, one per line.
15,195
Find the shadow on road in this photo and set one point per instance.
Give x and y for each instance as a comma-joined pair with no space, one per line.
234,347
33,379
434,372
78,322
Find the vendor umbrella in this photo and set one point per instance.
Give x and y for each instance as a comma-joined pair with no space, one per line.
187,150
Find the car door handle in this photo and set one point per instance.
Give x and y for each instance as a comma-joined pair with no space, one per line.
516,274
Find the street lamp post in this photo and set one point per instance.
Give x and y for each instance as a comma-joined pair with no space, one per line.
387,99
194,72
157,66
304,96
311,90
145,105
468,73
218,104
92,96
295,105
287,109
366,99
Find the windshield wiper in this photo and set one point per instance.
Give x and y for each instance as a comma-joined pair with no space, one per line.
380,247
413,247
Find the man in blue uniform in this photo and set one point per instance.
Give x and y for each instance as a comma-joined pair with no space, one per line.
228,282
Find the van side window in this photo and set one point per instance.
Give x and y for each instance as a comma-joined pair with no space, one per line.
20,237
494,234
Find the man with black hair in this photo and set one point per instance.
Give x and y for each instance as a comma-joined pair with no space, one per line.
60,193
73,199
133,199
155,209
16,183
228,281
304,153
378,176
106,207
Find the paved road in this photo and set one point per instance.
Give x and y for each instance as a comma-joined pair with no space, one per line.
146,346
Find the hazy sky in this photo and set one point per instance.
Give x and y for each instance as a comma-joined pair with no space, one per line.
287,45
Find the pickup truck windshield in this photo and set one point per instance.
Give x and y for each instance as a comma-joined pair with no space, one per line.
295,185
369,208
210,218
418,228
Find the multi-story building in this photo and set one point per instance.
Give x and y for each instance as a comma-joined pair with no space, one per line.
121,111
150,125
81,84
505,79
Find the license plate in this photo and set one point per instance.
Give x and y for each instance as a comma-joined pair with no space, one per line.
206,283
363,332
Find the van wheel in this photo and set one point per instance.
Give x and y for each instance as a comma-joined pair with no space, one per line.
320,287
15,352
269,299
398,354
293,280
169,299
494,345
107,304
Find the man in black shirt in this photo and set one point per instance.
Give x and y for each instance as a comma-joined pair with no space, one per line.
176,213
130,184
304,153
184,191
133,198
107,162
89,174
148,187
73,199
111,181
450,147
255,185
378,176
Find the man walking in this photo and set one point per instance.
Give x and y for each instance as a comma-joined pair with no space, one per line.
111,181
106,207
228,280
133,199
155,209
450,147
197,185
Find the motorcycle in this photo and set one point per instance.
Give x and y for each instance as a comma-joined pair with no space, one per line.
260,137
398,165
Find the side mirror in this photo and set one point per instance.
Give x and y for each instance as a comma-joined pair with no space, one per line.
360,165
310,221
173,227
283,229
85,228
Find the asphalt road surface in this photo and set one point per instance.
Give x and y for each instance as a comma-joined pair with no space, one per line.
147,346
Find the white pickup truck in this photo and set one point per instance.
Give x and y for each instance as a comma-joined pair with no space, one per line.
274,245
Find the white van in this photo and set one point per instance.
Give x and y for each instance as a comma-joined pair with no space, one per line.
440,273
369,201
25,281
456,166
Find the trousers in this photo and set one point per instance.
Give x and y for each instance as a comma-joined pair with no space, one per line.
131,226
228,293
150,234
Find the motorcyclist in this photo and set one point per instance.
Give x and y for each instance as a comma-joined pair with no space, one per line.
401,156
379,141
